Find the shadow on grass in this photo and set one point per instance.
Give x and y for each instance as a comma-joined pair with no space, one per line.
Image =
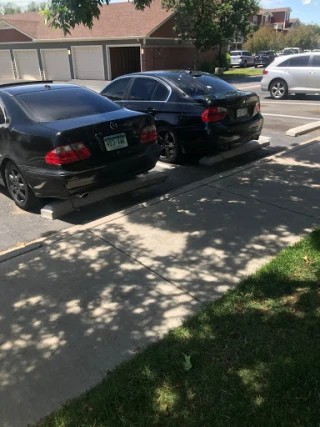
255,356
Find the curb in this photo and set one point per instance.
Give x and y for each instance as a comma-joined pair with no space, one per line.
47,241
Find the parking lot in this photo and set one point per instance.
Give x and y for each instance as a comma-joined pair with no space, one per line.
17,226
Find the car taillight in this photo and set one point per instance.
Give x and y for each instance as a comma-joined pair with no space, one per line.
67,154
213,114
265,71
258,106
241,57
148,134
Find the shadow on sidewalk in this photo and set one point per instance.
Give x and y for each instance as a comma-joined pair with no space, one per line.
72,311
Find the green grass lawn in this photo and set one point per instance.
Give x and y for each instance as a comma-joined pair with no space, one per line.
255,357
243,72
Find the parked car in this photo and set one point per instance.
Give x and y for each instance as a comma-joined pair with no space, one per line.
264,58
61,140
292,50
195,112
298,74
241,58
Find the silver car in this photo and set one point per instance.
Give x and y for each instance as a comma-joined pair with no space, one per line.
298,74
241,58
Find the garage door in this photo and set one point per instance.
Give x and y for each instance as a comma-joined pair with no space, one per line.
88,62
56,64
27,64
6,70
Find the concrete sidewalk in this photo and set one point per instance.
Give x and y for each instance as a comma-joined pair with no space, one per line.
73,309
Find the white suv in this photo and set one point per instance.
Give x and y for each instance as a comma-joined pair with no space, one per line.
299,74
241,58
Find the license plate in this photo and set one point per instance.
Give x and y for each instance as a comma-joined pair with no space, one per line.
243,112
115,142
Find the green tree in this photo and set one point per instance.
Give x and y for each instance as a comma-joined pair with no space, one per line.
9,8
208,22
36,7
266,38
304,36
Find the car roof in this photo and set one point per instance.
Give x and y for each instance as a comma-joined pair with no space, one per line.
164,73
15,88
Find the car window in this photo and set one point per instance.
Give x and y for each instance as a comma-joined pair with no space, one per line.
299,61
316,61
199,84
235,53
284,63
247,53
161,93
61,104
142,89
116,89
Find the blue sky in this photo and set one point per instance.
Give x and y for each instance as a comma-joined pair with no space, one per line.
307,11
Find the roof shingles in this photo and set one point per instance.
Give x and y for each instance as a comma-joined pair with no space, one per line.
118,20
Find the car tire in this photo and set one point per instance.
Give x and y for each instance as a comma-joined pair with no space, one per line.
170,146
18,188
278,89
256,66
245,64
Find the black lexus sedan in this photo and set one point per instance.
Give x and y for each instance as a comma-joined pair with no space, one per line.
59,140
195,112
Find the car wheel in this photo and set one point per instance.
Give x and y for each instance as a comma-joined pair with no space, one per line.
245,64
278,89
18,187
170,147
256,66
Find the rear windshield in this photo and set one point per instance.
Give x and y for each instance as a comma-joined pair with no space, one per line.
201,84
61,104
235,53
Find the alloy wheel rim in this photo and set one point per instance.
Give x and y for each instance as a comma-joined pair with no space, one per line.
17,186
278,90
167,143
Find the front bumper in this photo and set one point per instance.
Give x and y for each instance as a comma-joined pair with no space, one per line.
63,184
220,136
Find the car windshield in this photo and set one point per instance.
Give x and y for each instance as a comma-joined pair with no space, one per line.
62,104
199,84
235,53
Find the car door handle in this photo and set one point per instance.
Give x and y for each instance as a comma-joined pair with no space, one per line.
151,110
312,72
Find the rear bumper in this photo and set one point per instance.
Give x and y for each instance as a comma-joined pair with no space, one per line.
220,136
261,62
64,184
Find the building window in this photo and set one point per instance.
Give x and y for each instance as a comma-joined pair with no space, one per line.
255,20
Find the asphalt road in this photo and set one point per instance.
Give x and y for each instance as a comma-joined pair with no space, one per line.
17,226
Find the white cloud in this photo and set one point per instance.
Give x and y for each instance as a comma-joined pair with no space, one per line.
306,1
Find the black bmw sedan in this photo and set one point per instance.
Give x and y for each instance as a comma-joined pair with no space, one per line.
59,140
195,112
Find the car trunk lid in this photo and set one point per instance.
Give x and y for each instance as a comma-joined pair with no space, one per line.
109,136
240,106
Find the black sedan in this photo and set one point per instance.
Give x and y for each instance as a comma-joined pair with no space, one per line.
195,112
59,140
